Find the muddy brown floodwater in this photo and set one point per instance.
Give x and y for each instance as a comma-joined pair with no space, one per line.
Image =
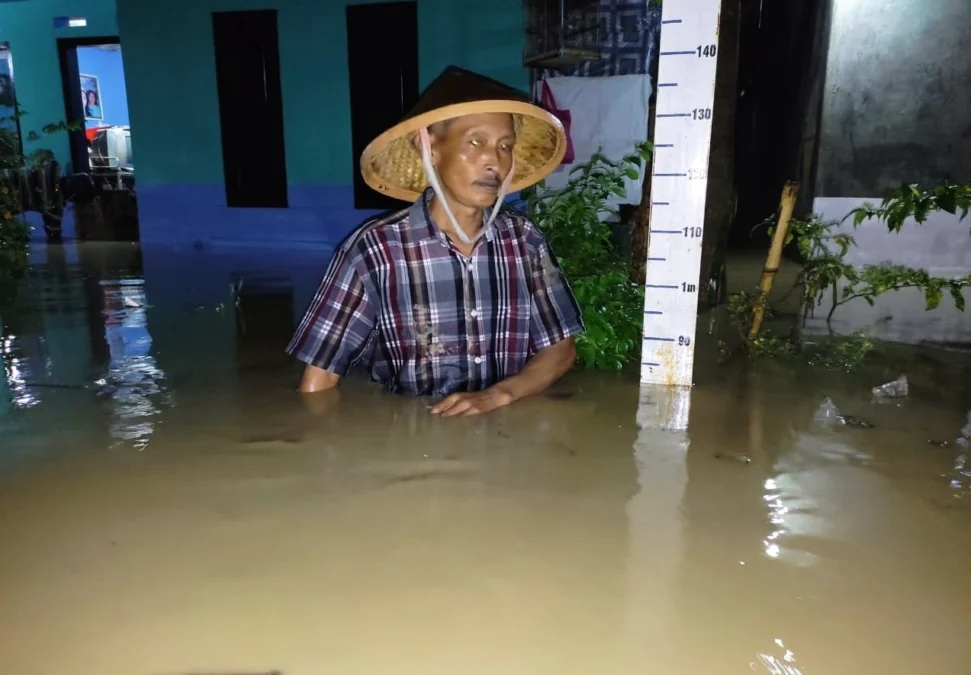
168,505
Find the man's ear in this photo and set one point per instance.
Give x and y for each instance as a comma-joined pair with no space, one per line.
432,143
435,142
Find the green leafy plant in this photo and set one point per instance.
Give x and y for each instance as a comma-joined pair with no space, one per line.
14,229
845,353
826,272
572,220
910,201
16,200
827,275
14,243
740,308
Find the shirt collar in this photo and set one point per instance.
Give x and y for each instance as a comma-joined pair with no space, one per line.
420,220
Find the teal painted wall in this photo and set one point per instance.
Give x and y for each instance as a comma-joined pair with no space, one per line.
167,46
168,57
29,28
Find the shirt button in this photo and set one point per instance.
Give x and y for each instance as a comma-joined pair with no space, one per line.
474,312
478,359
469,268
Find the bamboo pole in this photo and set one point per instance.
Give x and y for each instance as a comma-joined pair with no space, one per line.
786,205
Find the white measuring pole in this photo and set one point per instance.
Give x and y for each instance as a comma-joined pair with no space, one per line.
682,138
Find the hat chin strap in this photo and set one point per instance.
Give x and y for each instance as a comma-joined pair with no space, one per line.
432,175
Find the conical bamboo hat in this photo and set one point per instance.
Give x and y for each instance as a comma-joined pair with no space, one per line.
391,164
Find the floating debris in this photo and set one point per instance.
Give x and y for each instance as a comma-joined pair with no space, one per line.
899,388
964,440
828,415
857,422
743,459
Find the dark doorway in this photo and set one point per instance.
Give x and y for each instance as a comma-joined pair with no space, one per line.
382,62
782,67
250,108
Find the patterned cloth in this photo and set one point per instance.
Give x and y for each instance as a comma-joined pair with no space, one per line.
629,42
423,319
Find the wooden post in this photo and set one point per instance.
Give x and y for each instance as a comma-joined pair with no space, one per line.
789,194
640,225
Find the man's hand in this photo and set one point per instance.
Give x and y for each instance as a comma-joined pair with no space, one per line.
467,404
546,367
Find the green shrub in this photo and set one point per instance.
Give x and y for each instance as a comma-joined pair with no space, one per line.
571,219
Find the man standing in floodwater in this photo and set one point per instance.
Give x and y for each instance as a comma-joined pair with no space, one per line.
450,297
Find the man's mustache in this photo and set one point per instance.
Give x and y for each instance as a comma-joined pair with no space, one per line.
491,182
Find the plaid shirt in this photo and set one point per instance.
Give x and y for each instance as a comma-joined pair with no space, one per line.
400,299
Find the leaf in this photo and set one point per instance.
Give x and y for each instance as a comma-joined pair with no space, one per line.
932,298
921,209
948,202
957,295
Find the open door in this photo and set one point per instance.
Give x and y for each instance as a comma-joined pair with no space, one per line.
101,174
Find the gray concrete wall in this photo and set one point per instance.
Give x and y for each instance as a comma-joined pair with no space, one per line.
897,109
897,103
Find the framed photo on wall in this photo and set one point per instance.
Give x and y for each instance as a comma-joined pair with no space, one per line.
91,98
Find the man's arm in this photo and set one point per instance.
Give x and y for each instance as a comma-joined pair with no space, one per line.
540,372
336,328
555,320
317,379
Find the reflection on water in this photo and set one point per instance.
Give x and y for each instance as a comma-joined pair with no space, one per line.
602,529
133,383
777,516
81,327
961,478
778,665
17,373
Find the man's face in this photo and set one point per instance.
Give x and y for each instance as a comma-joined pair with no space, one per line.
473,155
